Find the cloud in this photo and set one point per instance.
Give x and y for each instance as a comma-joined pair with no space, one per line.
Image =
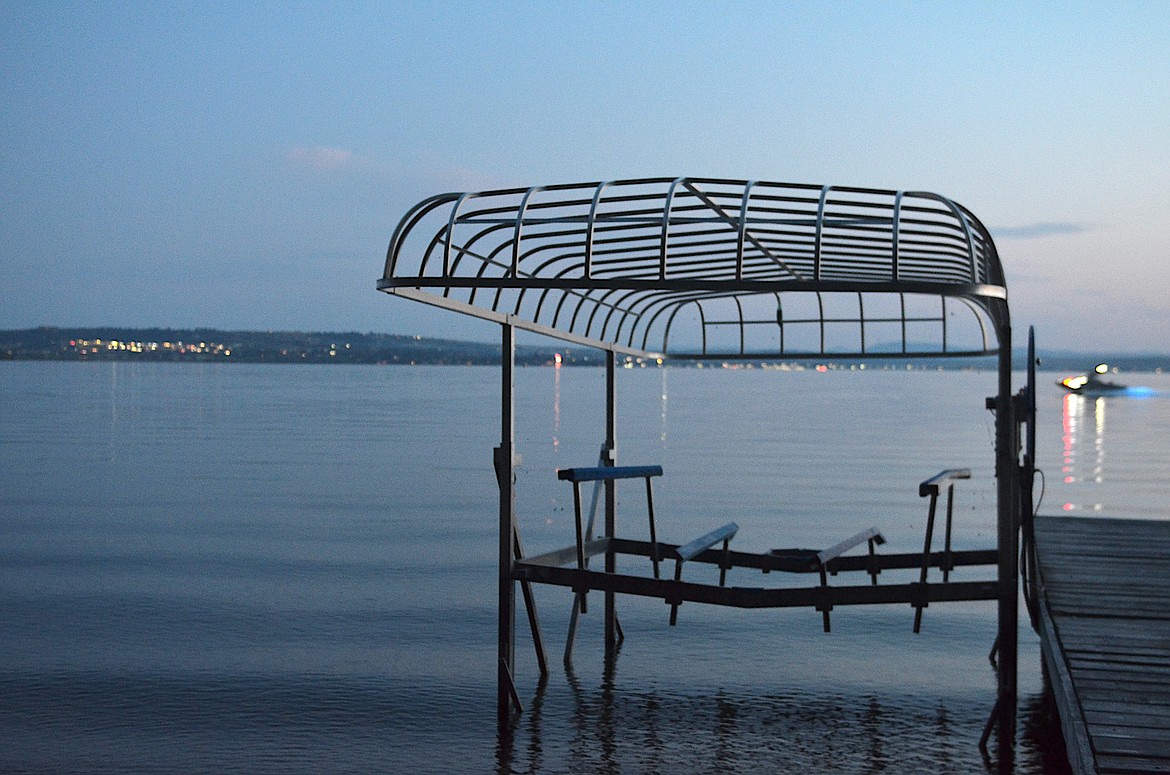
1039,230
321,158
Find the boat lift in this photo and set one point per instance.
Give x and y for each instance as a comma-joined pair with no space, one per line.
727,270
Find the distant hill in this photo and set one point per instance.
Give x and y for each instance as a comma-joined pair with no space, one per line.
215,345
1066,360
210,344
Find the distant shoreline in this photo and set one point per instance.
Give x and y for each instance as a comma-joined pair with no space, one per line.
210,345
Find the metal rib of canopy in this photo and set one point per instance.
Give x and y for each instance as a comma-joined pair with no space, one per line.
711,268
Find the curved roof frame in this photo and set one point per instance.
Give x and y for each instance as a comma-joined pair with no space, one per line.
709,268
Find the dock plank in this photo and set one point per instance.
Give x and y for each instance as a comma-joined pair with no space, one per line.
1105,586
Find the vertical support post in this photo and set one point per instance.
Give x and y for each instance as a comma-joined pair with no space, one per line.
580,543
611,639
654,556
1027,482
506,698
946,568
825,606
925,560
1007,472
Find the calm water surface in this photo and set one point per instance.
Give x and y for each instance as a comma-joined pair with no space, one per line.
291,569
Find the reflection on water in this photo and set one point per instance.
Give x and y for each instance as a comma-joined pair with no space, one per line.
1083,458
113,429
1041,742
556,419
1111,452
611,729
287,569
665,401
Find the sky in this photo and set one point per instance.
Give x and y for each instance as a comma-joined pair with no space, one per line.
242,165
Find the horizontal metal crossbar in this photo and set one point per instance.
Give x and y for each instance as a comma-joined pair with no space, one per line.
839,548
784,562
606,473
689,550
820,597
934,484
767,563
666,265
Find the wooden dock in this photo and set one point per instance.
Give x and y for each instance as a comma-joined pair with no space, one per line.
1105,634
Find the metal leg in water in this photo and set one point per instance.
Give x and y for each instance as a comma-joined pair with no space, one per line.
530,606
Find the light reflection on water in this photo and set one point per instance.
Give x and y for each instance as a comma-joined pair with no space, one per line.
273,569
1112,452
1084,439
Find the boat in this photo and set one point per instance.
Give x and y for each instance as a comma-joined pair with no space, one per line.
1092,384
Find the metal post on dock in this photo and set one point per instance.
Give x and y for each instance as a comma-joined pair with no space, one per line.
507,698
1007,526
610,497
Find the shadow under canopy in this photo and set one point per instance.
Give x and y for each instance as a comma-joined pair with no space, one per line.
715,269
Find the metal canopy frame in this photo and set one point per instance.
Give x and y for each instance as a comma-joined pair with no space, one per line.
710,268
707,268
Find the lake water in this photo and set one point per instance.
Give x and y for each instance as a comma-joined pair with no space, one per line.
240,568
